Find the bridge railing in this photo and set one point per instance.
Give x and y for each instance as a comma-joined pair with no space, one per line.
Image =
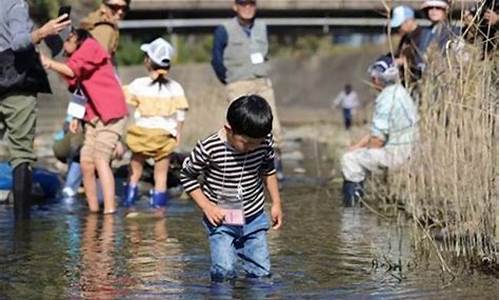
277,4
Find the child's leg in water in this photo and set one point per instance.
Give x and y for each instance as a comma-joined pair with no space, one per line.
132,191
161,171
108,184
160,174
136,168
89,184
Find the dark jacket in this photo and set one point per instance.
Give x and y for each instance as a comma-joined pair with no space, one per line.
409,48
22,72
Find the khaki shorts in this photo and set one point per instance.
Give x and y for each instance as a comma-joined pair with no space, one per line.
100,140
264,88
155,143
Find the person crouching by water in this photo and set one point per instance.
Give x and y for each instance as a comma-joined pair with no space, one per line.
236,163
89,68
161,107
393,131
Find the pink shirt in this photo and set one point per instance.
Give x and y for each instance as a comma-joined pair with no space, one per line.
95,73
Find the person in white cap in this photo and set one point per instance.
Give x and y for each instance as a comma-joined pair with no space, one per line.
393,131
440,31
161,107
407,55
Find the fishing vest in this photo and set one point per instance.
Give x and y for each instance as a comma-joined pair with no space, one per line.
245,56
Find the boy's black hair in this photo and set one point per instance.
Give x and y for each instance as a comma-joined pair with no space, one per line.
250,115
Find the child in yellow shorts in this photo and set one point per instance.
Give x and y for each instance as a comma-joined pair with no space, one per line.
161,108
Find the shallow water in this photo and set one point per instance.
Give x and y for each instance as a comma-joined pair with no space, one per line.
324,251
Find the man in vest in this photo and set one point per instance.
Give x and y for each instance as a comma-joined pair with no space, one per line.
239,59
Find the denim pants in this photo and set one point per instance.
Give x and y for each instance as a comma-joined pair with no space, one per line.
74,176
347,117
248,242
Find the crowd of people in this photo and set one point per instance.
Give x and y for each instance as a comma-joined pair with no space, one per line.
238,162
395,76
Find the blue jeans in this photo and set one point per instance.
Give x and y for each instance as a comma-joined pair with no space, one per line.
74,176
347,117
248,242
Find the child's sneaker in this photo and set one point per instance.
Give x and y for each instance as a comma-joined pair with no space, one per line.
68,192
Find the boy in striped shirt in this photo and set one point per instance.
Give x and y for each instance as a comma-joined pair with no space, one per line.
236,163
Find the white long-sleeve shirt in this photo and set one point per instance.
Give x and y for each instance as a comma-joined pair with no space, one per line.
348,101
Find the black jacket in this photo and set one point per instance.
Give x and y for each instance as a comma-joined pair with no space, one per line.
22,72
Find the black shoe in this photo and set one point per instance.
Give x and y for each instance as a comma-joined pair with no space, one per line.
22,176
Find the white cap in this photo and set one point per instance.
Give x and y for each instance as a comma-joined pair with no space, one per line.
401,14
159,51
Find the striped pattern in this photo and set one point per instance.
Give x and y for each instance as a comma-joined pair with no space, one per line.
223,170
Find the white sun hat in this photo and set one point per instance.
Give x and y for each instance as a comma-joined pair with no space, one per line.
159,51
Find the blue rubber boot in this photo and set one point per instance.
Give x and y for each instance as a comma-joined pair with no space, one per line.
352,193
131,193
158,199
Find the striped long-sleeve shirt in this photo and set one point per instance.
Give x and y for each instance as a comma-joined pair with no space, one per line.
224,169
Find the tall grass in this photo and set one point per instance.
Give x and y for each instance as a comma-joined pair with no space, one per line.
450,187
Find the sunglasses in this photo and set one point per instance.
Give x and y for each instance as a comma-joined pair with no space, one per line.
117,7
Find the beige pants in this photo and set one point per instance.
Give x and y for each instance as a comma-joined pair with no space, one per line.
100,140
358,163
262,87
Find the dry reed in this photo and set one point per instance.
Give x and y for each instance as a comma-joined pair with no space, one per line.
450,187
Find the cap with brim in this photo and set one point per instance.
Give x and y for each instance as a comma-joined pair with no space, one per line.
159,51
435,3
401,14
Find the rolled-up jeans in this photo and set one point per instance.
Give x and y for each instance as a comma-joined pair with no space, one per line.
247,242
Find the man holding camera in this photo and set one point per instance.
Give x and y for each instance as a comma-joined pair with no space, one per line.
21,78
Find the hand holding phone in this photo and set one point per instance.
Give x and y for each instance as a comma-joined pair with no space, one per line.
64,10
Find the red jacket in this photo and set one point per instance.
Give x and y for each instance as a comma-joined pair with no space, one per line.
97,78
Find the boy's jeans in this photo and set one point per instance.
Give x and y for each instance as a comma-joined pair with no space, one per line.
248,242
73,177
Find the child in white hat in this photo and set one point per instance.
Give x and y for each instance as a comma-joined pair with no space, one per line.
161,108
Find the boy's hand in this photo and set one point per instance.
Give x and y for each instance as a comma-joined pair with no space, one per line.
74,126
119,150
276,215
46,62
214,214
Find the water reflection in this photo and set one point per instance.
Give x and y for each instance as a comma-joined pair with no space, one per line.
97,275
153,258
323,252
